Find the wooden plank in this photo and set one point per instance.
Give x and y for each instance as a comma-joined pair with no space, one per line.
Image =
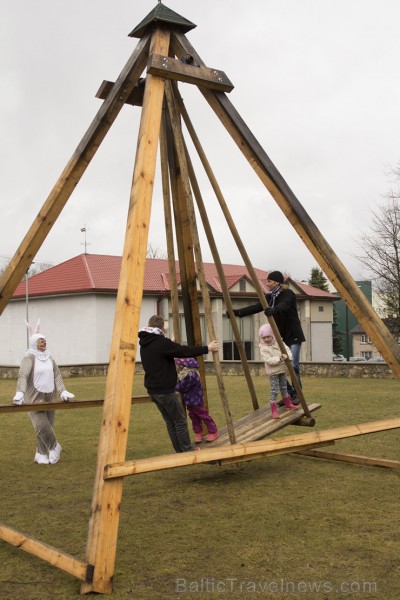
271,447
170,68
57,558
106,501
135,98
72,173
261,429
259,424
353,458
72,404
297,216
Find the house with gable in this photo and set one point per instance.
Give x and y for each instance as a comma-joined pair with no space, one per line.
75,302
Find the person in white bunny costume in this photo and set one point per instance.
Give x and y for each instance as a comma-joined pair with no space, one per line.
39,379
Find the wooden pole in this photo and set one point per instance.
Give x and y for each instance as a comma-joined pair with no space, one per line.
104,520
180,151
57,558
213,246
244,254
269,447
297,216
168,227
222,281
184,241
368,461
72,173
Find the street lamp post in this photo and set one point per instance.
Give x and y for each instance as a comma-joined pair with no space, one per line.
27,307
27,304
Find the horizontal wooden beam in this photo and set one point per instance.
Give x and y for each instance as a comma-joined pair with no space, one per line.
12,408
268,447
57,558
229,461
171,68
135,98
353,458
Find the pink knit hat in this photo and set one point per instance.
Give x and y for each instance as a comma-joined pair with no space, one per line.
266,330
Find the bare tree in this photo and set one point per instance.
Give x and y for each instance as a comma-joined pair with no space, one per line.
155,252
381,252
4,260
38,267
34,269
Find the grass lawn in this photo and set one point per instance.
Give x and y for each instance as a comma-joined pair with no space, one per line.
284,527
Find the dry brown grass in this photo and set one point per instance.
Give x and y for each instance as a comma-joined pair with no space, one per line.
264,529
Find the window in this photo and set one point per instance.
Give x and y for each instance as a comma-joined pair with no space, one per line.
365,339
321,308
182,327
242,285
366,355
246,328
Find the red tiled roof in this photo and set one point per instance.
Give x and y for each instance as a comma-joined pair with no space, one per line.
309,290
84,273
99,273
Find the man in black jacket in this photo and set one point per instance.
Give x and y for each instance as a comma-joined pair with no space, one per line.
157,354
282,306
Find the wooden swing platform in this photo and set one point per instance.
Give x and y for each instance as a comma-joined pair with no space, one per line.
259,424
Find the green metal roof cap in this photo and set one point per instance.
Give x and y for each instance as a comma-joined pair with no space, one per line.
162,14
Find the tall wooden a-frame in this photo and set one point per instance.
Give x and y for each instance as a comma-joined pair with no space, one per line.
164,52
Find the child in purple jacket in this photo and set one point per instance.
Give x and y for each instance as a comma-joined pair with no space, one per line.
189,385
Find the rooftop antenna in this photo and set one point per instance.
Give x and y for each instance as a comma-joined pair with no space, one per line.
85,243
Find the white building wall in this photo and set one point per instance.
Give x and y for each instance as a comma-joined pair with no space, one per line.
321,342
13,338
104,309
78,329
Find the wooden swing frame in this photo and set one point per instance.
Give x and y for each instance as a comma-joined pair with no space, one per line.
170,58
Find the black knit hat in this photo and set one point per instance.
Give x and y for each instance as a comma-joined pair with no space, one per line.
276,276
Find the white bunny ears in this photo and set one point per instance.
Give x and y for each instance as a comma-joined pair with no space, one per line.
30,328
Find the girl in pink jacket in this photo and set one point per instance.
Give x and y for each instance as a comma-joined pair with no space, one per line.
275,367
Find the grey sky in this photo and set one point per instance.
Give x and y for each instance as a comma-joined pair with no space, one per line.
317,82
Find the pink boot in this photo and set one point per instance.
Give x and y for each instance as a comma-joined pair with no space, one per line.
288,403
210,437
274,411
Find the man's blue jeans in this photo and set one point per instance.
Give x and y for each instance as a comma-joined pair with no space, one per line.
295,350
174,416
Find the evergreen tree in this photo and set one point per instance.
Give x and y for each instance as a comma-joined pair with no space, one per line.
337,339
318,280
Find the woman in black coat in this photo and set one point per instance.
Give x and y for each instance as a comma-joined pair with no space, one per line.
282,305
